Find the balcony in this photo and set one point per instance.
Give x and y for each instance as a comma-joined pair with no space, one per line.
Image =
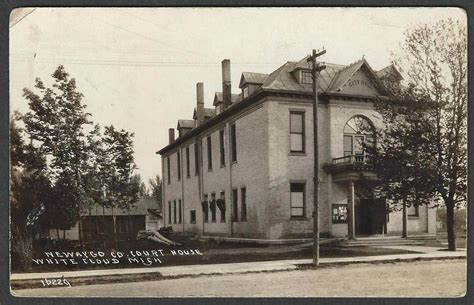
350,167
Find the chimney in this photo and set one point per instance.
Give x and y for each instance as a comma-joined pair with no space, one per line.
226,88
200,104
171,135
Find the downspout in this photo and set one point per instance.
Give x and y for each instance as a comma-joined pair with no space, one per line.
182,187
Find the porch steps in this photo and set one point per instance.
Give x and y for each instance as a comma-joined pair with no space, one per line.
387,241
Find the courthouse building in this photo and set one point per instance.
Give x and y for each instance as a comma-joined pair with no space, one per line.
244,167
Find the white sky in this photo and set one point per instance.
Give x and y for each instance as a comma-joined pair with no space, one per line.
138,67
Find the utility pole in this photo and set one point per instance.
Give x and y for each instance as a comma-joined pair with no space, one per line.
315,69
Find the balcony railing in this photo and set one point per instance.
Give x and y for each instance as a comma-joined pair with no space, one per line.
352,159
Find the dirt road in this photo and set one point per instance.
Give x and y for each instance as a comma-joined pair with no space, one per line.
438,278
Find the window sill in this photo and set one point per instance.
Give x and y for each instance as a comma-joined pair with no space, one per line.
233,162
222,165
298,218
209,170
295,153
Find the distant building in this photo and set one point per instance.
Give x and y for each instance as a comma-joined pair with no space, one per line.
98,223
244,168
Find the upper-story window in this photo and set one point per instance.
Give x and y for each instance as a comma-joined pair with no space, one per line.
188,169
297,134
306,77
233,143
222,146
168,168
196,159
358,132
178,159
209,153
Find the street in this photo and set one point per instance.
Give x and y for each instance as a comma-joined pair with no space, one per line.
435,278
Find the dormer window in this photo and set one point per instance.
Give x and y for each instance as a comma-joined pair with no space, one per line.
245,91
306,77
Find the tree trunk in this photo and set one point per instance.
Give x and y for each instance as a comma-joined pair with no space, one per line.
450,226
115,230
64,235
57,233
405,220
130,225
81,241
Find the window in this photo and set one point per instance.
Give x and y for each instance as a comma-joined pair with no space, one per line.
100,226
297,199
178,159
222,146
297,142
358,133
180,217
235,208
174,212
233,143
245,91
192,216
196,159
122,225
212,206
206,210
222,208
243,204
169,169
209,153
188,171
306,77
169,212
413,211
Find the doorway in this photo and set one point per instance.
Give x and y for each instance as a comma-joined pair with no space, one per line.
370,217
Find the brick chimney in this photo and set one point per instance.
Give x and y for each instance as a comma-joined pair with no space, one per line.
171,135
200,104
226,87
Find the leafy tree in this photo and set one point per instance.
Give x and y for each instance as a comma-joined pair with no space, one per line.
55,125
156,189
428,144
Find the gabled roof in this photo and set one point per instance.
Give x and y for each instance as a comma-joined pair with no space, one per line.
389,72
284,79
252,78
345,74
208,113
138,208
219,98
186,124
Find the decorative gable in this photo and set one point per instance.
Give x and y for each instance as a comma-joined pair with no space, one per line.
360,84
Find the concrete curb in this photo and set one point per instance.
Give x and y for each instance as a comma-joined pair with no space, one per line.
232,268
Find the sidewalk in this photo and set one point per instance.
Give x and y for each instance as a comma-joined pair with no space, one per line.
280,265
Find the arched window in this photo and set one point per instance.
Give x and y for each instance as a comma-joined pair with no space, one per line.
357,131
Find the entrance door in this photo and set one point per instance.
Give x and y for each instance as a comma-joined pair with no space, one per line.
370,217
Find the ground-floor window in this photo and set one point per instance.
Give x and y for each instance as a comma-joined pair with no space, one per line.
221,206
413,211
122,225
192,216
180,215
100,226
212,207
297,199
243,204
174,212
235,209
169,211
205,208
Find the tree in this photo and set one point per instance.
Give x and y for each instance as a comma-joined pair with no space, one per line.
156,189
55,125
429,115
120,192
